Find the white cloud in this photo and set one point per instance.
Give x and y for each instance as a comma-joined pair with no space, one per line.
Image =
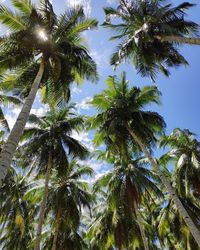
85,3
101,58
11,116
11,113
83,137
100,168
40,111
100,174
84,104
76,90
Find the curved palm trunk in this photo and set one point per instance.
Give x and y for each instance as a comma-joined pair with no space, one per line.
57,225
140,224
43,203
14,137
173,195
180,39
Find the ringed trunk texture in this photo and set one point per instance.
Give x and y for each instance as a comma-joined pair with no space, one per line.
14,137
43,203
57,226
180,39
141,227
173,195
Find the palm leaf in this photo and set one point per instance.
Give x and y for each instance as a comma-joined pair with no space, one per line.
11,20
24,6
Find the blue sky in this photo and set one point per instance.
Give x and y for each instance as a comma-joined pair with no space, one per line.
181,91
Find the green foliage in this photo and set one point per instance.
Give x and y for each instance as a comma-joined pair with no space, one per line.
100,214
140,27
53,132
115,225
68,195
39,33
121,108
185,153
17,213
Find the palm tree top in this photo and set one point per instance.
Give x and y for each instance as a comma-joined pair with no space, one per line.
120,106
140,29
40,33
54,132
181,139
185,151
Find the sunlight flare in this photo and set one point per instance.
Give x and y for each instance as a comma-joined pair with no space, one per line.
42,35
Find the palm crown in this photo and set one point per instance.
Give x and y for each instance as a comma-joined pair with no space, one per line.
144,26
122,108
38,32
185,151
53,132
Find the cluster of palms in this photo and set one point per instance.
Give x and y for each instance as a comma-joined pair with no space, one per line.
46,201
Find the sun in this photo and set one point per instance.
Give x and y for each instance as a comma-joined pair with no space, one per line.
42,35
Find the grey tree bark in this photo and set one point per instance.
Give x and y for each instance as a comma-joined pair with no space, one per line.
43,203
180,39
10,146
172,193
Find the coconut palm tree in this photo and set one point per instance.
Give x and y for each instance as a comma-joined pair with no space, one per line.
68,194
52,45
17,213
185,153
50,141
123,116
149,32
126,183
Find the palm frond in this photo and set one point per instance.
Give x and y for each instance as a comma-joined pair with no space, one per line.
24,6
11,20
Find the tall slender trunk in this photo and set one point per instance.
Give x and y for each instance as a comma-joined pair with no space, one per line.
141,227
43,203
57,225
172,193
14,137
180,39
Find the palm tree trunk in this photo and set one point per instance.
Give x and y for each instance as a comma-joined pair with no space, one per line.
14,137
43,203
172,193
57,225
140,224
180,39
